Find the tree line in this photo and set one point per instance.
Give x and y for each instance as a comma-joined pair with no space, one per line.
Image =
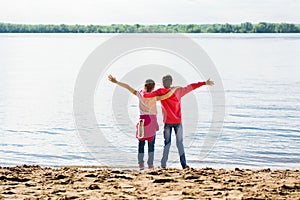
247,27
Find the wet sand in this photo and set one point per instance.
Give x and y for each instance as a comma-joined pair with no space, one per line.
35,182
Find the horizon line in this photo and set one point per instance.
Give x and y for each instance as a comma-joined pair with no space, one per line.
148,24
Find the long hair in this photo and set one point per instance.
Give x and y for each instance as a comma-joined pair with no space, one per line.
149,85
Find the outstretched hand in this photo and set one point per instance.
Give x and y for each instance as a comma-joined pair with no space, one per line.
112,79
209,82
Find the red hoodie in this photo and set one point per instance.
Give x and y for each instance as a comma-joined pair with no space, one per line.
171,107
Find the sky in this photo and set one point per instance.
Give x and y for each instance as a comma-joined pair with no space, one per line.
148,11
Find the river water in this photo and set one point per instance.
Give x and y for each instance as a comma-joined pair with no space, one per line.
260,74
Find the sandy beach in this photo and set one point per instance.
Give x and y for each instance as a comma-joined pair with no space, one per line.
35,182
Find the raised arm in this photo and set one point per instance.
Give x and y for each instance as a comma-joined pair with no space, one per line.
124,85
209,82
184,90
165,96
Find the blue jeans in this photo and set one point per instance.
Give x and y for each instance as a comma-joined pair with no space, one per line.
179,143
150,152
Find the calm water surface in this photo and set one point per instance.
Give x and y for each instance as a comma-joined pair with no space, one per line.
260,74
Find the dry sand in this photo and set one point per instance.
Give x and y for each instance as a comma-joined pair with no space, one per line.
35,182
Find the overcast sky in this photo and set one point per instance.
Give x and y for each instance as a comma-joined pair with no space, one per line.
148,11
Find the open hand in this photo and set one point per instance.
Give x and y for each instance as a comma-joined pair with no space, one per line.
112,79
209,82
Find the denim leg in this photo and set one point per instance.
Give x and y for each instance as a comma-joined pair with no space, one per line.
179,143
141,152
167,137
151,145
